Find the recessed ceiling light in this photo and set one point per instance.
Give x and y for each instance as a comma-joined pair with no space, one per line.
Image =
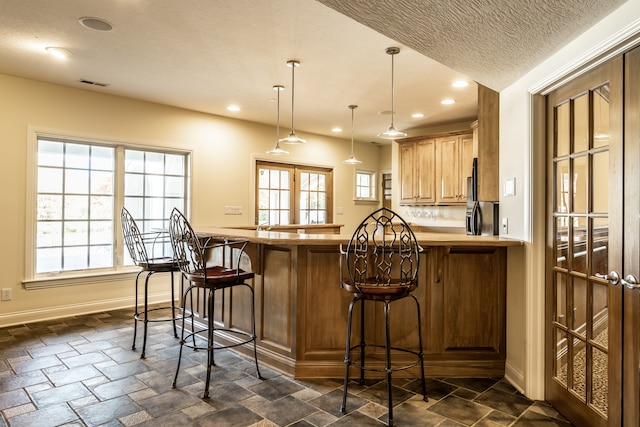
336,129
58,52
447,101
460,83
96,24
233,108
417,115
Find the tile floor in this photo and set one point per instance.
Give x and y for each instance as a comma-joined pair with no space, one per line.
81,371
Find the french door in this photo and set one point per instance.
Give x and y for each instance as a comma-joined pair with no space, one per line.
593,232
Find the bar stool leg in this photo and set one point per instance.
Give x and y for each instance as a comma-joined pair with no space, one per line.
363,344
184,301
173,306
388,361
146,313
347,356
209,344
421,355
135,313
253,336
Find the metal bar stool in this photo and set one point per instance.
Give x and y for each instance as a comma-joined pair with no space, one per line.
191,252
137,242
381,262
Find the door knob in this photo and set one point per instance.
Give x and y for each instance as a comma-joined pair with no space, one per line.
631,282
613,277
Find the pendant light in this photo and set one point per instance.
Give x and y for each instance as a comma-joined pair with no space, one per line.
352,159
392,132
277,151
292,138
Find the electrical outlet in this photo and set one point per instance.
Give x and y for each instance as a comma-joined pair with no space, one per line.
6,294
505,225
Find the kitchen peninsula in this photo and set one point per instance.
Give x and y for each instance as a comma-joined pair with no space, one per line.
301,309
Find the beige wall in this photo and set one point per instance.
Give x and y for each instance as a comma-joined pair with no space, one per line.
223,153
523,159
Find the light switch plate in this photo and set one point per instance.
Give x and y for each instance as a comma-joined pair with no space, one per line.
509,187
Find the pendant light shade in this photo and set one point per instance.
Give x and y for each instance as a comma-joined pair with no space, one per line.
352,158
392,132
292,138
277,151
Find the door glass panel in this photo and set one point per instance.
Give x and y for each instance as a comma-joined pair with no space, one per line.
581,123
599,174
562,242
580,184
562,130
600,238
561,298
599,324
579,310
563,186
600,389
579,249
601,116
579,365
561,356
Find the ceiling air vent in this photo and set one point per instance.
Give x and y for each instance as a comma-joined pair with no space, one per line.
90,82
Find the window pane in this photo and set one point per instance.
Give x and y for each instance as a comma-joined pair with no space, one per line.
76,156
581,123
48,260
76,207
154,163
76,233
263,178
49,234
101,182
174,164
174,186
102,158
50,153
154,186
101,207
76,181
49,207
304,181
134,161
49,180
134,185
284,180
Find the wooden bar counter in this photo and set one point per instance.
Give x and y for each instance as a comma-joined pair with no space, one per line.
301,309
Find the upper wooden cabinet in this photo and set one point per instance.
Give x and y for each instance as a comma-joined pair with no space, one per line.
417,171
434,169
487,133
454,162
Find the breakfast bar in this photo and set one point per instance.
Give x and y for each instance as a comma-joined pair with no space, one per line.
301,309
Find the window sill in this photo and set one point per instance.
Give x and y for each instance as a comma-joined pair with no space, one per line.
83,279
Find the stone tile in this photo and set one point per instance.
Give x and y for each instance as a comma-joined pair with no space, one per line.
332,401
286,410
84,359
54,415
535,419
124,370
49,350
476,384
117,388
168,402
9,399
22,380
69,376
102,412
23,365
460,410
62,394
276,388
233,416
356,419
511,404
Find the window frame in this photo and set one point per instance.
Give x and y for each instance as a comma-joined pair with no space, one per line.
297,169
119,270
373,185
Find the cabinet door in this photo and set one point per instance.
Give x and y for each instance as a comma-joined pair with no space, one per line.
407,154
425,168
465,320
447,174
466,163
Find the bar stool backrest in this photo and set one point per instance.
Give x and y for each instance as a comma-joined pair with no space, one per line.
187,246
133,238
382,256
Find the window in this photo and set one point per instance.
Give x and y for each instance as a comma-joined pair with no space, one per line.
79,189
365,185
293,194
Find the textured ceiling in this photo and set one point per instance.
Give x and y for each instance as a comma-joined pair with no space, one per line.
493,41
206,54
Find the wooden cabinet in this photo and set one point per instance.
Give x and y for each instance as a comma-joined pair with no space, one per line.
466,299
417,171
434,169
454,161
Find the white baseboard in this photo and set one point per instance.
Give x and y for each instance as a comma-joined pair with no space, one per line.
61,311
515,377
